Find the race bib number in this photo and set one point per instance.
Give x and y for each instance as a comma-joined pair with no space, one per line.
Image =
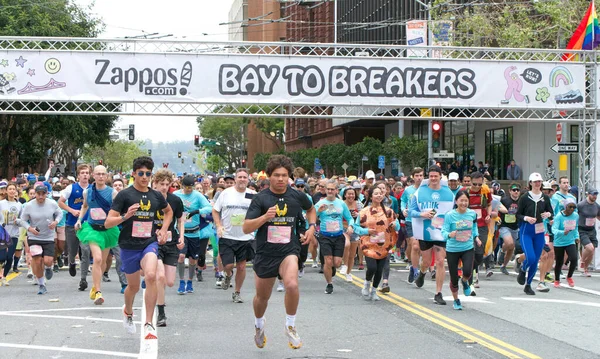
464,235
377,238
510,218
35,250
590,222
478,212
238,219
279,234
570,225
539,228
141,229
437,222
332,227
169,236
97,214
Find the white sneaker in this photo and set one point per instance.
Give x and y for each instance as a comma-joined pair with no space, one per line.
344,269
128,322
4,282
349,278
366,291
315,264
149,331
280,287
294,340
29,274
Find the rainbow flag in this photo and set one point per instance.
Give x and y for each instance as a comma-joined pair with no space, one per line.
587,34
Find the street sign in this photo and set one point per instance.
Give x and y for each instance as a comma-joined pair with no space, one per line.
565,147
443,155
365,158
318,166
381,162
345,166
559,132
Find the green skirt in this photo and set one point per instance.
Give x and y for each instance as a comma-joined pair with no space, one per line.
104,239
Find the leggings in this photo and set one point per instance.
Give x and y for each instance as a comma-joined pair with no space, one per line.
453,258
10,252
533,245
386,267
202,255
479,251
559,256
375,270
303,256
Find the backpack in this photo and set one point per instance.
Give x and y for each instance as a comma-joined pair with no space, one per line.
5,240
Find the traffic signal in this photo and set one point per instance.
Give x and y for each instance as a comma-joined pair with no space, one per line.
131,132
178,154
182,160
149,152
100,162
196,140
436,134
243,163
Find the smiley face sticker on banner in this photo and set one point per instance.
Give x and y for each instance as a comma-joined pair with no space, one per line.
52,66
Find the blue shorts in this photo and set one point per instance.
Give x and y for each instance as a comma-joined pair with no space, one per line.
132,259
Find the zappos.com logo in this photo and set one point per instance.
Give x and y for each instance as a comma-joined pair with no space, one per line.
435,196
151,82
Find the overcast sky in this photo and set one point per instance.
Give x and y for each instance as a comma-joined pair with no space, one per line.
184,19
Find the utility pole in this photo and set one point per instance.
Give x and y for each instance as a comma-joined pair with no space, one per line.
430,54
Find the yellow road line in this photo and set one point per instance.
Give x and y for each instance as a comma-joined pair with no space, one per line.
499,346
11,277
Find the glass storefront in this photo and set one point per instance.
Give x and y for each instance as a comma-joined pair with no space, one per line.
499,150
459,138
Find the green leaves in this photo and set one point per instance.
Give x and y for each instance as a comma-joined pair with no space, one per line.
116,155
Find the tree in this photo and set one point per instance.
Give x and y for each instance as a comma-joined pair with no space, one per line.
522,24
332,157
410,151
227,138
115,155
215,163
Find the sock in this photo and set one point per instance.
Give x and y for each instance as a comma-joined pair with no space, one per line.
181,270
367,283
259,322
290,320
41,281
105,274
48,267
16,261
191,272
161,309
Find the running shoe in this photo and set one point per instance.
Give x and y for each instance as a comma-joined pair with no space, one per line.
161,321
504,270
473,294
181,289
385,288
570,282
489,273
4,282
344,269
199,275
349,278
556,284
420,279
260,339
517,266
72,269
236,297
466,288
411,275
439,299
374,297
366,290
219,282
315,264
294,340
93,293
123,288
83,285
433,274
42,289
48,273
29,274
60,262
189,288
128,322
549,277
226,282
329,289
361,267
528,290
280,287
301,273
143,283
98,300
149,331
521,277
542,287
105,277
586,273
55,269
457,305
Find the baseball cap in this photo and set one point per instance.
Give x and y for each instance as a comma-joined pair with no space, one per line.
299,182
546,185
31,178
188,180
592,190
453,176
54,179
370,175
379,177
535,177
3,184
229,176
567,201
41,178
71,178
515,186
41,188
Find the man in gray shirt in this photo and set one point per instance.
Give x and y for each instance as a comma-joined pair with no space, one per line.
40,218
588,211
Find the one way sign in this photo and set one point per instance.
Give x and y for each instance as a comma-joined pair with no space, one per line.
565,147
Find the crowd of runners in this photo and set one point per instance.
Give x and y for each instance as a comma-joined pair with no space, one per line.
158,227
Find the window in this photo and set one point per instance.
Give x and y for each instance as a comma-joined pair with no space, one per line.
499,150
459,139
420,130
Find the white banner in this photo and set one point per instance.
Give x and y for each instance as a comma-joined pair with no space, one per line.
307,80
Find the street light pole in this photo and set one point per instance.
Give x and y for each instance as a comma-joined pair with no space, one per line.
430,54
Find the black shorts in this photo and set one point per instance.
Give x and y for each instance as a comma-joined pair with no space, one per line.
191,248
47,247
268,267
518,248
586,237
232,251
332,246
427,245
168,254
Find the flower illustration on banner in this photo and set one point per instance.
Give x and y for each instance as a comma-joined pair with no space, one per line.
4,62
31,72
542,94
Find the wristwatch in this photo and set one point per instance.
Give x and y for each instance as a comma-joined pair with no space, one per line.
312,225
123,218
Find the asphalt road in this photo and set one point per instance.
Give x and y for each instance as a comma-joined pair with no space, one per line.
500,322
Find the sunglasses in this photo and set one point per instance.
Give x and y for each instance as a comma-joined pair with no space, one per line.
142,173
594,193
177,187
476,184
515,190
300,186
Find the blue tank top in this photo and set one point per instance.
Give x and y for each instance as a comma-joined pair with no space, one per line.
94,208
75,201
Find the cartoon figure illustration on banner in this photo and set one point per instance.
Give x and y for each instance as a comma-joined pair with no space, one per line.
514,85
5,80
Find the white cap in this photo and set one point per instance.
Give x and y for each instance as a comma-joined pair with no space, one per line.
54,179
453,176
71,178
535,177
370,175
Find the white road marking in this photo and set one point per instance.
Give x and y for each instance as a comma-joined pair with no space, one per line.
33,315
66,309
469,299
543,300
563,285
70,350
